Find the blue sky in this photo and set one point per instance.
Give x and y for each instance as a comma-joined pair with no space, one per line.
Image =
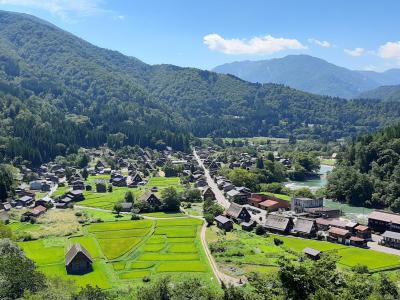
355,34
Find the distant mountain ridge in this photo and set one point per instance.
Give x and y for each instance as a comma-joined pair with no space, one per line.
59,92
310,74
385,93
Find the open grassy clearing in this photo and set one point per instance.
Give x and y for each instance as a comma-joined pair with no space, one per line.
245,252
52,224
99,277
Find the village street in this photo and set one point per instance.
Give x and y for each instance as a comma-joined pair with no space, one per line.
217,192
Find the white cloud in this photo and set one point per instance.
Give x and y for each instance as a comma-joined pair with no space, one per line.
256,45
390,50
323,44
62,8
356,52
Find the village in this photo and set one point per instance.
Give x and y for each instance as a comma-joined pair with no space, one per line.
108,177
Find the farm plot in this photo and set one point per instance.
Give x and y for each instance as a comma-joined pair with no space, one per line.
124,252
118,238
245,252
162,182
106,200
173,248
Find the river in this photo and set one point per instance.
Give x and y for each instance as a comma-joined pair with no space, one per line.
354,213
312,184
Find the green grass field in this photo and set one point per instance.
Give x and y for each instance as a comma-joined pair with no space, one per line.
126,251
246,252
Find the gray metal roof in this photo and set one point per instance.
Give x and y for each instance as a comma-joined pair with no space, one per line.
391,235
222,219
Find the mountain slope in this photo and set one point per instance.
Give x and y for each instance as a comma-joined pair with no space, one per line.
310,74
385,93
58,92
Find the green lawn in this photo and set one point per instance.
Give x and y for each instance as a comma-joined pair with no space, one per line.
99,277
279,196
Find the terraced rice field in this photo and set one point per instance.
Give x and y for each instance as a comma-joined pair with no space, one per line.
127,251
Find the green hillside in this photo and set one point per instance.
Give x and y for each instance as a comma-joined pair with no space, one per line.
58,92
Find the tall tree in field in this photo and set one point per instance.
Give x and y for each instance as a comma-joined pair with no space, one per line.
171,199
129,197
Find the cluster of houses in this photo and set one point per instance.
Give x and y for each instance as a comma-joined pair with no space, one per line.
308,218
46,178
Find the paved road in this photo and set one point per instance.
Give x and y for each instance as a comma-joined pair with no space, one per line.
218,193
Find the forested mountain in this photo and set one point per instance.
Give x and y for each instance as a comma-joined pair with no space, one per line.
310,74
386,93
369,171
58,92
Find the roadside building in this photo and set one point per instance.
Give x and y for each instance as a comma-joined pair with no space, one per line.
268,202
391,239
323,224
299,204
339,235
381,221
126,207
238,213
224,223
363,232
305,228
358,242
323,212
312,253
208,194
248,226
278,223
151,199
25,201
236,196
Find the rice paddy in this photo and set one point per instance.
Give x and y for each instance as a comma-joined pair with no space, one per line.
126,251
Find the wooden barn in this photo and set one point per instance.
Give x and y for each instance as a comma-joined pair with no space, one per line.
78,260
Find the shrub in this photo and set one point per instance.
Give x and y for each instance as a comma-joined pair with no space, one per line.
136,217
78,214
260,230
209,219
146,279
360,269
278,242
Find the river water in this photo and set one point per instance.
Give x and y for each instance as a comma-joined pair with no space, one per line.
312,184
354,213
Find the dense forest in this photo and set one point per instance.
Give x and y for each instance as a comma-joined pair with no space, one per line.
58,92
386,93
368,173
